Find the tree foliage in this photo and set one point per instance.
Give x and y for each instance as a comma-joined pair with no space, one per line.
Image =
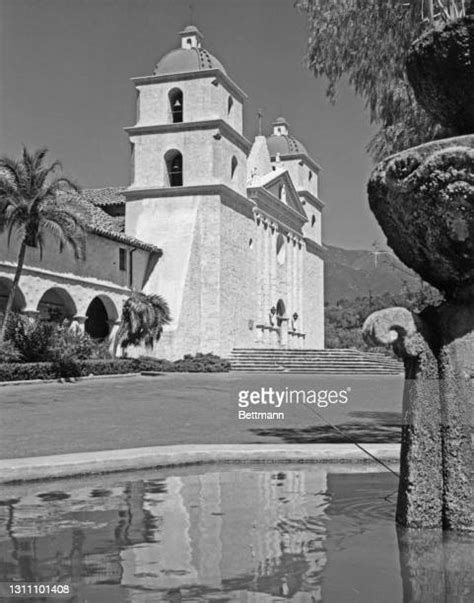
143,319
33,207
344,319
367,41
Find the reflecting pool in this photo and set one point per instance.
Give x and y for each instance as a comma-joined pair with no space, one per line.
303,533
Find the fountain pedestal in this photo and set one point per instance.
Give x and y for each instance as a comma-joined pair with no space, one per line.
423,198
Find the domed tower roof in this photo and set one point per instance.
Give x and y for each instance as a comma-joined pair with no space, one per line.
190,57
281,142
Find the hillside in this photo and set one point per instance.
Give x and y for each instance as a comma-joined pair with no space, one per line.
351,273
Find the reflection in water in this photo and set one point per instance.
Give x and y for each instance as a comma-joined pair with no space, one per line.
247,535
436,566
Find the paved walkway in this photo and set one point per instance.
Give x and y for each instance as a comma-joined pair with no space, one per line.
121,413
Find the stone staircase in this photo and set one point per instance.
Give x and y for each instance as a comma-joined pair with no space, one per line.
329,362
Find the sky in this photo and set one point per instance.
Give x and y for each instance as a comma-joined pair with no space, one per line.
65,69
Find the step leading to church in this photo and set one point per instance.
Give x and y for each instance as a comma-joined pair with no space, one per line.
330,361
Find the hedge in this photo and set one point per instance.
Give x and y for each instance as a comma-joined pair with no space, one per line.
20,371
201,363
66,367
15,371
118,366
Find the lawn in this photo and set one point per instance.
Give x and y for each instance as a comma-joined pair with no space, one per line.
139,411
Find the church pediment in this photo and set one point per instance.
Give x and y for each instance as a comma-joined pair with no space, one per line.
279,185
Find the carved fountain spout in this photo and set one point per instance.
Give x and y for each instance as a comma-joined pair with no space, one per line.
423,198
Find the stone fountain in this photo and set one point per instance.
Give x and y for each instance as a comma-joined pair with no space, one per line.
423,199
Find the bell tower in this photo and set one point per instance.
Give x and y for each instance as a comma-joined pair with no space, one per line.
189,122
189,157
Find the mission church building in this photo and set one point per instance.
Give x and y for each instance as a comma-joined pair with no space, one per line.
227,231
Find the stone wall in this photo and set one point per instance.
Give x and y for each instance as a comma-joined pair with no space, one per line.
240,276
188,275
313,227
313,301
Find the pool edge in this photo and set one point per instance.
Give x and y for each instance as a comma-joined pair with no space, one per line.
109,461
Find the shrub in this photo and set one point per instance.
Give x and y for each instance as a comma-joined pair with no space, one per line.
118,366
77,345
66,367
14,371
201,363
148,363
9,353
33,340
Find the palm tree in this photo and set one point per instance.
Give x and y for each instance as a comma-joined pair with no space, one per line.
33,205
143,319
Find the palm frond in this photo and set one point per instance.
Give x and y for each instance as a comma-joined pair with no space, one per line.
143,319
12,169
18,227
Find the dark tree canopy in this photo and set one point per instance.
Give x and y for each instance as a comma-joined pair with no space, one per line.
367,41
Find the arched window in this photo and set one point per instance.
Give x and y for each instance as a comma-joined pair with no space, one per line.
230,102
174,167
282,193
310,176
233,166
175,97
281,249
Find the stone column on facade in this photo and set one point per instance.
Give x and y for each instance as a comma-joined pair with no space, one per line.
288,274
295,278
265,273
300,323
31,315
78,324
273,264
259,264
114,326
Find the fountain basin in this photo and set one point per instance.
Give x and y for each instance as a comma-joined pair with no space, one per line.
423,199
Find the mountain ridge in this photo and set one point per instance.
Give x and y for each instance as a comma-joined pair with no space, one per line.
352,273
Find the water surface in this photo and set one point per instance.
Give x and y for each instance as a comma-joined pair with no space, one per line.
302,533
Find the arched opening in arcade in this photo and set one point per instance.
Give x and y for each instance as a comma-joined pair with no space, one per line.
56,305
100,316
18,301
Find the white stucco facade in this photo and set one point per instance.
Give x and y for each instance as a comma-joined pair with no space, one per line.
240,227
